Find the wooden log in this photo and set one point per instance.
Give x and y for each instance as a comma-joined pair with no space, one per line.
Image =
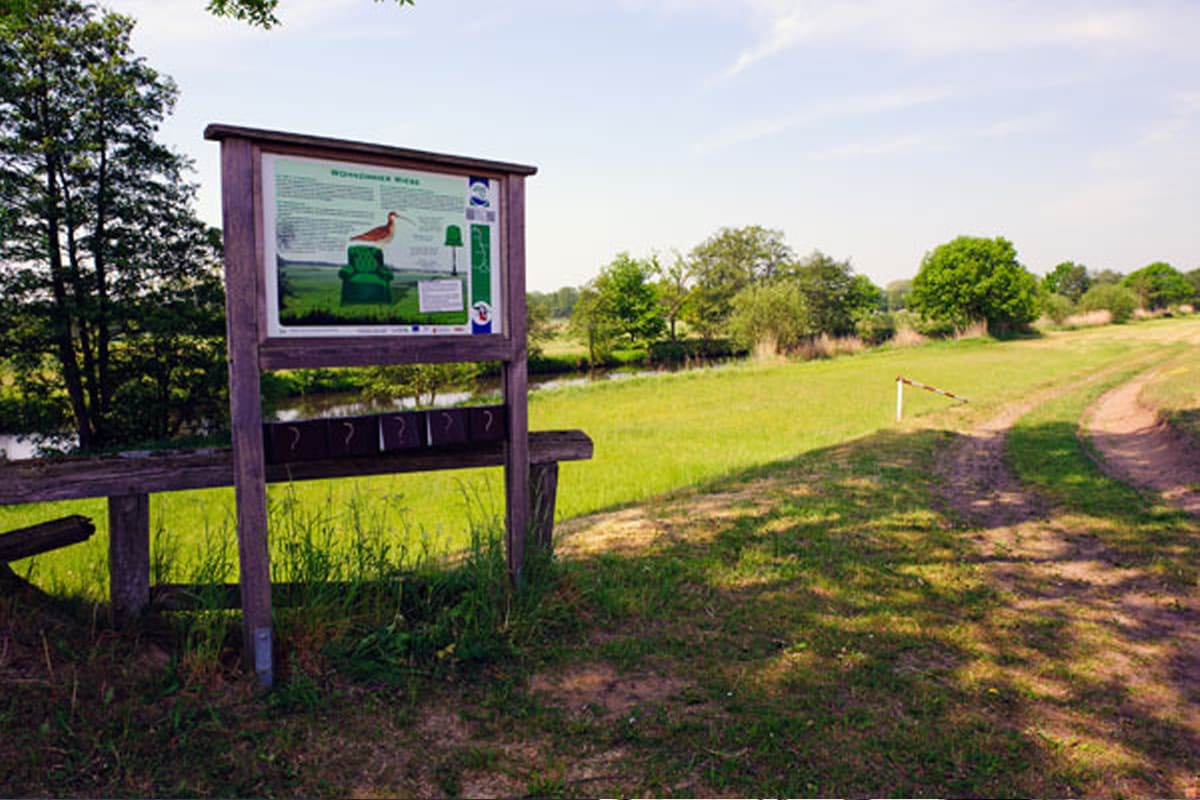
543,480
129,556
44,537
77,477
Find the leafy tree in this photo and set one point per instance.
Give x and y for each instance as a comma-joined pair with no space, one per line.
1194,279
971,279
724,264
770,316
673,292
259,13
1117,300
111,308
1159,285
1067,279
835,297
629,300
592,323
1105,276
897,294
538,329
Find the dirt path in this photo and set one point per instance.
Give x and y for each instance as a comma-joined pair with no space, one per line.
1140,449
1061,574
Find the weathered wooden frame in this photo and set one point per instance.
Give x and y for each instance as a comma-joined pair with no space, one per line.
251,350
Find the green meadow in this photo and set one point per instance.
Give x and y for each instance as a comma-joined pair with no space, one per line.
315,291
652,434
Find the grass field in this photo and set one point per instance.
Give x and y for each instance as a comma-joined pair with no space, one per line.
771,603
651,435
315,299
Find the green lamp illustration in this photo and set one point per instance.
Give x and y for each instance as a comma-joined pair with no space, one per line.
453,241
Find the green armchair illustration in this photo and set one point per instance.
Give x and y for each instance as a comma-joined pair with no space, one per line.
364,278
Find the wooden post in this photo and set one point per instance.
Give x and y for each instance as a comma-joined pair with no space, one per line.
543,479
249,472
129,556
516,382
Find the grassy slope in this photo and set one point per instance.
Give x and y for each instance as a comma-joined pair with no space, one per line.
1176,395
651,434
807,625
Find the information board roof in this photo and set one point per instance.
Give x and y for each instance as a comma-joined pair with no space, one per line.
218,132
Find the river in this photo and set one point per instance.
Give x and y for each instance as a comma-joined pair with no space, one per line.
340,404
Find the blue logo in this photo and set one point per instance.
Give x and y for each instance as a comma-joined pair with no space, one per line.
480,193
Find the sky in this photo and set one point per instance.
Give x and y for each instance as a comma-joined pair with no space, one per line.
871,131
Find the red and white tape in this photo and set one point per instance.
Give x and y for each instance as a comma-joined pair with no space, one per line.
901,380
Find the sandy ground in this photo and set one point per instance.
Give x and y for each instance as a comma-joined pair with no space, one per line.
1137,448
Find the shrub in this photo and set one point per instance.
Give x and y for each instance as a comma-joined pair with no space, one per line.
1117,300
876,328
773,311
1057,307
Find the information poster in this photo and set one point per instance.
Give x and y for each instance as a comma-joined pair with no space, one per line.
353,250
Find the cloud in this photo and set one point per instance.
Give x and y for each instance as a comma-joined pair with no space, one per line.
1018,126
863,105
944,27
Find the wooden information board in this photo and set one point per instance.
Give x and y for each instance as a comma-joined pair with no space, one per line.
342,253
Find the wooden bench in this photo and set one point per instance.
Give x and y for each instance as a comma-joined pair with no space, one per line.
128,480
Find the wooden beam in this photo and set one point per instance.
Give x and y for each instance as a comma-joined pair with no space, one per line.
343,147
76,477
515,380
543,482
240,214
44,537
129,556
330,351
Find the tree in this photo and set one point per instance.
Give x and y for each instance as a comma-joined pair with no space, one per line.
725,263
111,295
673,292
1193,278
1159,285
770,317
629,300
592,324
1067,279
259,13
897,294
835,297
971,279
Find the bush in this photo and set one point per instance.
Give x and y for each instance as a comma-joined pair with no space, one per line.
1117,300
1057,307
683,351
876,328
770,312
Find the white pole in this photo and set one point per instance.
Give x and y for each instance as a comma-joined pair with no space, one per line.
899,399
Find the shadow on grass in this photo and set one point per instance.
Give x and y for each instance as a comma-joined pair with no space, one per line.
852,641
816,626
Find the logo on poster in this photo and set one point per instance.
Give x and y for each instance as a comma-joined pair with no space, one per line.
479,191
